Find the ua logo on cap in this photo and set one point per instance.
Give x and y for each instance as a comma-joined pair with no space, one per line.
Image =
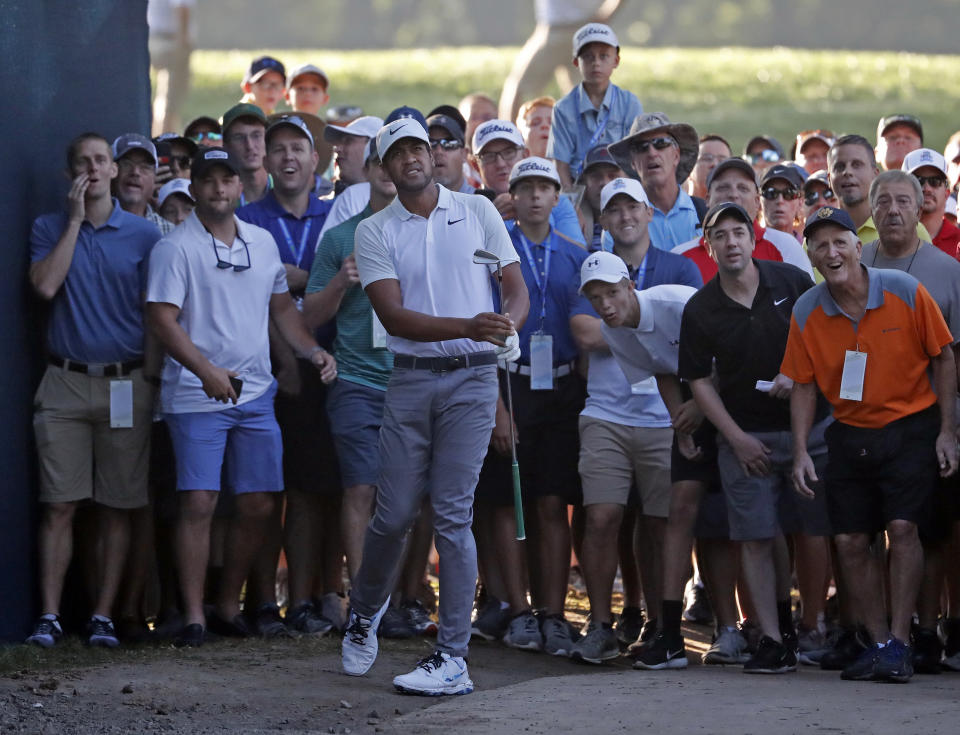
825,212
593,262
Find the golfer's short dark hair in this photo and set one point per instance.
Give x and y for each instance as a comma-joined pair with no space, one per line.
719,138
854,139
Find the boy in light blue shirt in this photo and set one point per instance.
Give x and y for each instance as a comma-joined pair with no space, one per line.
595,112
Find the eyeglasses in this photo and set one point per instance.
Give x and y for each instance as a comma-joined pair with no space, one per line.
225,264
642,146
811,197
710,158
934,182
446,143
765,156
507,156
772,192
200,137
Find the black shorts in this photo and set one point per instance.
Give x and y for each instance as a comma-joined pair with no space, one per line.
548,444
875,476
945,510
705,470
309,458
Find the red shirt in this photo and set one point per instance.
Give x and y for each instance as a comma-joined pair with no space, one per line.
763,250
948,239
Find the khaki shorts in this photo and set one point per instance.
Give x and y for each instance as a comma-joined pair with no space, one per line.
614,458
80,456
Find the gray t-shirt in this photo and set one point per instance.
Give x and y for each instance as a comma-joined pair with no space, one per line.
937,271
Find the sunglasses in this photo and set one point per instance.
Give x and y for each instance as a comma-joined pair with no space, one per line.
765,156
772,192
934,182
642,146
180,161
200,137
811,198
226,264
446,143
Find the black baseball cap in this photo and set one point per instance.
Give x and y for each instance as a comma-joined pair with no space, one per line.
597,155
449,111
728,163
717,211
447,123
832,215
786,171
207,158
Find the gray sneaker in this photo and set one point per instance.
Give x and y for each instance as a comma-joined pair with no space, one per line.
305,620
491,620
523,632
419,618
598,645
557,636
395,624
812,644
730,647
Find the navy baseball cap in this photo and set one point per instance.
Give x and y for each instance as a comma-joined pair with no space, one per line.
406,112
789,172
717,211
447,123
261,65
824,215
207,158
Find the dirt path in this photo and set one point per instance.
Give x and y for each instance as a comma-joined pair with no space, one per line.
296,686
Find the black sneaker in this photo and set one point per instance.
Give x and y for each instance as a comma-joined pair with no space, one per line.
237,627
648,634
102,632
771,658
268,624
629,626
790,640
192,636
927,651
894,662
47,632
848,648
662,652
864,667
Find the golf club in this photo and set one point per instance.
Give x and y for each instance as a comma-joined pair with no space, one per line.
485,257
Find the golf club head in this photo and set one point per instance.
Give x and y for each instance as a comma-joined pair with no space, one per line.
485,257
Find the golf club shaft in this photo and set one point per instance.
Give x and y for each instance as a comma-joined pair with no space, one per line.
517,494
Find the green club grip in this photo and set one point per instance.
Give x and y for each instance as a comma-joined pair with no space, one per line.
518,502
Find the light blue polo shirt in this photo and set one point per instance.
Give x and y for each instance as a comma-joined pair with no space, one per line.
97,315
679,225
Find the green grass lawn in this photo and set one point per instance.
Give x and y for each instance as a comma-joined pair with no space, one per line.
736,92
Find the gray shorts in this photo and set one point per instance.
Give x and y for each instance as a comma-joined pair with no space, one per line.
356,412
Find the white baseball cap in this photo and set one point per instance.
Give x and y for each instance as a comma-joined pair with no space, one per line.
495,130
951,206
631,187
594,33
307,69
174,186
534,167
405,127
923,157
603,266
364,127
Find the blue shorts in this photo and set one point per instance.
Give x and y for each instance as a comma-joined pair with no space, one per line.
356,412
246,438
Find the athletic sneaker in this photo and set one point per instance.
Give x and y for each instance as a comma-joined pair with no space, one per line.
647,635
435,675
102,632
523,633
771,657
305,620
558,636
730,647
847,649
894,662
927,651
698,608
663,652
951,647
360,644
751,634
419,618
812,644
864,667
629,625
47,632
333,607
191,636
267,622
395,624
598,645
490,622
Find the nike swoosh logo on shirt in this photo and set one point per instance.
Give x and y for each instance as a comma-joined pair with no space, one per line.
777,303
394,130
454,221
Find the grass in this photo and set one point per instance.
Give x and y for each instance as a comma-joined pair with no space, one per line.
736,92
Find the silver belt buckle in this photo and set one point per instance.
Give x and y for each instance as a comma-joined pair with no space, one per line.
96,371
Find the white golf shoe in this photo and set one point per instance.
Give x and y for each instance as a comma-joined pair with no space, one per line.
435,675
360,644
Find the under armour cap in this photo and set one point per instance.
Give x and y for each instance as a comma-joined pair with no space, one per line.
831,215
406,112
603,266
594,33
630,187
295,122
717,211
174,186
207,158
495,130
133,141
924,157
534,167
403,128
364,127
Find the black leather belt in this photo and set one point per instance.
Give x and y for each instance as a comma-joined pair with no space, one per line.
103,370
446,363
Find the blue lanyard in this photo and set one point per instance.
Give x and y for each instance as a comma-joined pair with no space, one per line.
641,271
536,274
298,253
602,119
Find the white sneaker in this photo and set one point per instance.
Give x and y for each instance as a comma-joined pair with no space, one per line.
730,647
436,675
360,644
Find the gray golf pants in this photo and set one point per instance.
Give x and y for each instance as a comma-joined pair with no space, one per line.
435,432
